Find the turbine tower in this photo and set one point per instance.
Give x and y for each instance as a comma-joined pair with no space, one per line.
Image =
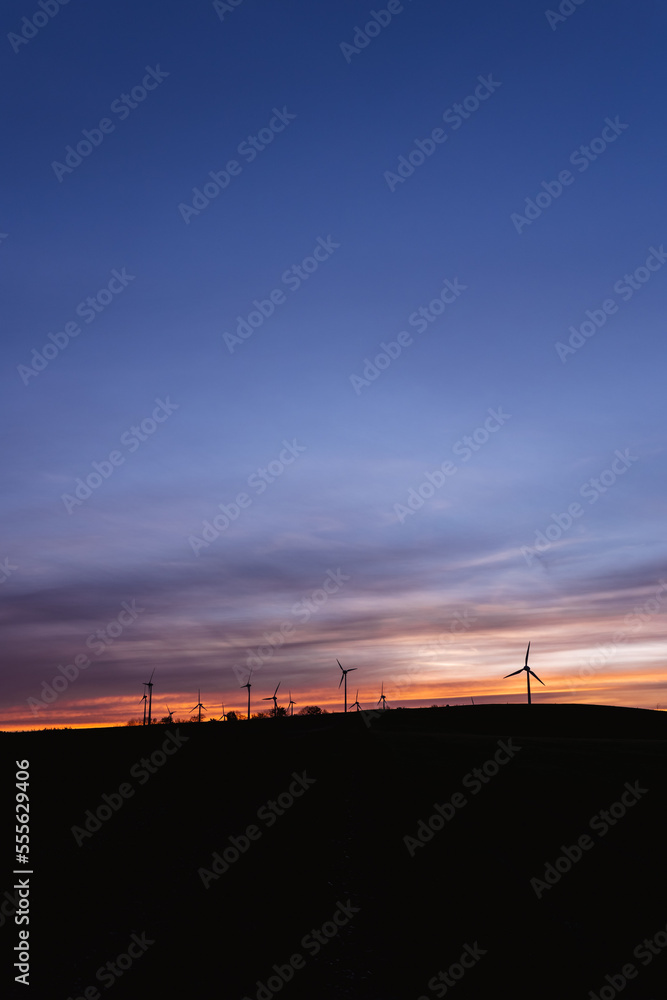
149,685
198,706
344,678
382,698
291,705
274,700
528,673
248,685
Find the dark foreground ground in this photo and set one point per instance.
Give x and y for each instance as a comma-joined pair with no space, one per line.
336,858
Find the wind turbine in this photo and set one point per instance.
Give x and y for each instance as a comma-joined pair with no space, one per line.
344,678
223,717
198,706
170,713
144,698
274,700
356,704
291,704
149,685
248,685
528,673
382,698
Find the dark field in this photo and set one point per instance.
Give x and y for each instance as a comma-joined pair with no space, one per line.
406,915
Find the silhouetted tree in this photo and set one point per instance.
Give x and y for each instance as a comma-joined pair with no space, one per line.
312,710
232,717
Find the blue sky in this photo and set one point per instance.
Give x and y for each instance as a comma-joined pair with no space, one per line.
167,331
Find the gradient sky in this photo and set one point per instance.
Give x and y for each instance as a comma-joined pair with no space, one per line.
437,600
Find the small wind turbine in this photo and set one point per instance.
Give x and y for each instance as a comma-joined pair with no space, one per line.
149,685
170,713
274,700
248,685
144,698
344,678
291,704
223,717
355,703
528,673
382,698
198,706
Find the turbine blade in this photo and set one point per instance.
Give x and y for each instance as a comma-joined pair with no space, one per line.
536,677
350,669
527,651
341,679
520,671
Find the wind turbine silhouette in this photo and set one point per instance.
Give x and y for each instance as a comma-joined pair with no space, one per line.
355,703
274,700
223,717
248,685
528,673
382,698
198,705
170,713
144,698
291,704
344,678
149,685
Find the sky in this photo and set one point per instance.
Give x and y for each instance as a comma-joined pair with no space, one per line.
331,332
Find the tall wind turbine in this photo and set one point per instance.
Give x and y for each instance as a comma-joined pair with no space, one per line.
149,685
344,678
248,685
291,704
528,673
198,706
355,703
274,700
382,698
